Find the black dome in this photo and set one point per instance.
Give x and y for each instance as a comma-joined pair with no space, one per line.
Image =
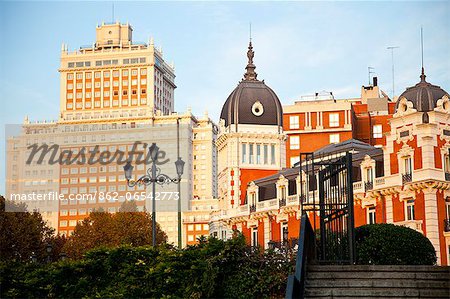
252,101
423,95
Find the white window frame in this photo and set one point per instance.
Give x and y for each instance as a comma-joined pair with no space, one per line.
377,131
294,122
410,210
294,142
371,215
333,120
333,138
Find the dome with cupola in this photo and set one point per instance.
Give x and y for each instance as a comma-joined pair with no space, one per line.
422,97
252,101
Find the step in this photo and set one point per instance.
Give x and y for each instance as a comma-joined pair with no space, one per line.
377,283
378,268
438,276
375,292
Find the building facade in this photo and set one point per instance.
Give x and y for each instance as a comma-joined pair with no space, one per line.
402,178
117,97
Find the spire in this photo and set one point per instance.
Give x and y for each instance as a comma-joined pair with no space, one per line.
422,76
250,75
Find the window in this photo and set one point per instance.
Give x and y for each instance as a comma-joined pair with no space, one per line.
447,163
334,138
334,119
258,154
371,215
284,231
294,160
272,154
369,174
244,153
69,76
266,156
293,122
377,131
410,209
255,237
294,142
250,157
408,165
447,206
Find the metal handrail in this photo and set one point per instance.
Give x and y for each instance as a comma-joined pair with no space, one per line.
306,253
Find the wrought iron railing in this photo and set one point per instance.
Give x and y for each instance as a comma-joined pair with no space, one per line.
368,186
282,202
446,225
447,176
252,208
306,253
406,178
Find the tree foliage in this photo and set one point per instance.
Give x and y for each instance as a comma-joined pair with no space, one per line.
213,268
25,234
389,244
128,227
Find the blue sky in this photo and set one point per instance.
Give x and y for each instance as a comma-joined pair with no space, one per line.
300,47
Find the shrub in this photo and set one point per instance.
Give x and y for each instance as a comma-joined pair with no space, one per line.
389,244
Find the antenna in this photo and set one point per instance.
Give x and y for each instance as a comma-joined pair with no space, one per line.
421,43
393,80
370,71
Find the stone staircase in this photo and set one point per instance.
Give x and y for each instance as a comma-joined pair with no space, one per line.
377,281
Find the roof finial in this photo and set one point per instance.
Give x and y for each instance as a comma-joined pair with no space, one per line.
422,76
250,74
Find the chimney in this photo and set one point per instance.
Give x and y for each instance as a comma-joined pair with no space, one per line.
375,81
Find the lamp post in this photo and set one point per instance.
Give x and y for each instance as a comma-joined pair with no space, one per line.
152,177
179,164
49,249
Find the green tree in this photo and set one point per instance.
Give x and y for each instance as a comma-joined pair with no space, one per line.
389,244
127,227
25,234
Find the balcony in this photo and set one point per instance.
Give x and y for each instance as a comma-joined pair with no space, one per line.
252,208
446,225
292,199
358,187
447,176
406,178
379,181
282,202
283,244
414,224
368,186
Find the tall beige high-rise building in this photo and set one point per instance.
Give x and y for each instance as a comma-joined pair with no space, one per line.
114,73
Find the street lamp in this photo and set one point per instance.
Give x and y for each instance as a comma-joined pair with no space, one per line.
179,164
49,249
152,177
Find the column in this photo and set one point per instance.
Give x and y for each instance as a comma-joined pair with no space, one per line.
431,220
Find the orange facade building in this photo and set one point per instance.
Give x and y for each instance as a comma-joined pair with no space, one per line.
401,163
